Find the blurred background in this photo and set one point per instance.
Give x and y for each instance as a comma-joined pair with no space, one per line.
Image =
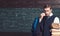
17,16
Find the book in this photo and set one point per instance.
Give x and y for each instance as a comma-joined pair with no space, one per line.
55,26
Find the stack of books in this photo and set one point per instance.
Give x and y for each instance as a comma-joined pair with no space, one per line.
55,31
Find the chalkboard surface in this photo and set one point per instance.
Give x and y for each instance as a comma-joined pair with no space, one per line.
20,19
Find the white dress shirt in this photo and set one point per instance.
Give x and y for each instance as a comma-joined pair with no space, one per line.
56,20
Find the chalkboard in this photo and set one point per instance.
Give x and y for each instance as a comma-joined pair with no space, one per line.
20,19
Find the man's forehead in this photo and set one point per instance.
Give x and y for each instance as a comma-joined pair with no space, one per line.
47,9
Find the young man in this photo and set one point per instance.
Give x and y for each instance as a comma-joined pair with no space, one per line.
43,23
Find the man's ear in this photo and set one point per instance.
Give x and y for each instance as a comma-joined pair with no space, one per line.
51,9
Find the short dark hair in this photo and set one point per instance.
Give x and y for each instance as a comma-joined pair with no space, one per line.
46,6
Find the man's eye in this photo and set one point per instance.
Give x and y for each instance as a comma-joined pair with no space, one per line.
47,10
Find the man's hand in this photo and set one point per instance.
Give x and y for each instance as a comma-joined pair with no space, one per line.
42,15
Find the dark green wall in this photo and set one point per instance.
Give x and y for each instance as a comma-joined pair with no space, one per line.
20,19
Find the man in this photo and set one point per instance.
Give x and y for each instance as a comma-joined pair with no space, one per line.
42,24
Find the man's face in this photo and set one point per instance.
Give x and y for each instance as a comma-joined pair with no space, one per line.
47,11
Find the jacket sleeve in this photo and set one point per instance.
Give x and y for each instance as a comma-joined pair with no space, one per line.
34,25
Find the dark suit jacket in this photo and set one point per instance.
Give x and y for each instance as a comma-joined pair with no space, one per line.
42,28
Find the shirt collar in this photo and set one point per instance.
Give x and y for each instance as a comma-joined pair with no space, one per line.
51,14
